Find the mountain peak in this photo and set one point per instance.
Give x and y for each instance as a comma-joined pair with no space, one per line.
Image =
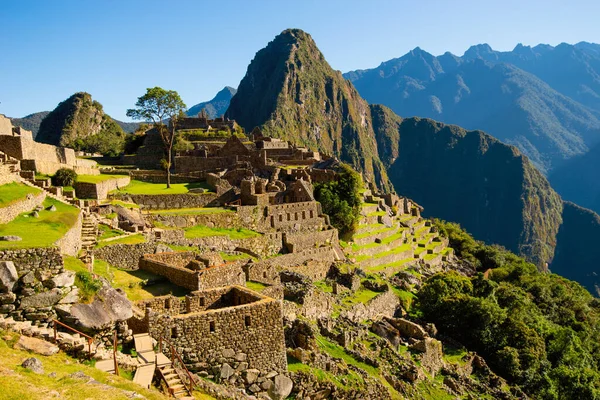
215,107
479,51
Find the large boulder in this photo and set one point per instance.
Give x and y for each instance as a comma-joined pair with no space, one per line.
37,346
8,276
63,279
281,388
109,307
42,300
133,217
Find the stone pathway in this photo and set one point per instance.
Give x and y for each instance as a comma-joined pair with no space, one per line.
89,238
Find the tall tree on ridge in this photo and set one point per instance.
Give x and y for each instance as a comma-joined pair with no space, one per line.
156,106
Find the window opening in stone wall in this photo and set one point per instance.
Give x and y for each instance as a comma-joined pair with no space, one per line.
264,274
211,326
201,302
174,334
167,304
311,214
247,321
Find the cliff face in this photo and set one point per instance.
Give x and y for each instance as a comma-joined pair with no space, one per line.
74,120
291,92
577,251
469,177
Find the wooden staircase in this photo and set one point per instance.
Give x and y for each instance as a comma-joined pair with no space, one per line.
175,384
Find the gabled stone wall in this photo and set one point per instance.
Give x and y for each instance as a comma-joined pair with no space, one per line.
100,190
251,326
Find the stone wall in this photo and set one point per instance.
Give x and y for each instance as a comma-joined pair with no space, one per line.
43,158
155,176
100,190
70,243
126,256
168,201
384,304
252,328
295,242
6,175
173,267
11,211
216,219
42,283
314,263
178,275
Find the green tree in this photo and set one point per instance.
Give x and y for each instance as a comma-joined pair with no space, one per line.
157,106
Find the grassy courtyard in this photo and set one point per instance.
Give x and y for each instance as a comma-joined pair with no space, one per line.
43,231
199,231
139,187
98,178
13,192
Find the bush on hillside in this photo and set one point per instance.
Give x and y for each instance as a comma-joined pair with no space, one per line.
64,177
539,330
340,199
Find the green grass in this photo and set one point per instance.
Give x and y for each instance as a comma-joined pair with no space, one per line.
15,191
43,231
383,267
374,232
97,178
399,249
139,187
324,286
22,384
134,283
234,257
180,248
377,214
132,239
362,295
199,231
107,232
406,298
122,204
256,286
192,211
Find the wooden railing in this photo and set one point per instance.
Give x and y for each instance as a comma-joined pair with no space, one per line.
175,355
89,338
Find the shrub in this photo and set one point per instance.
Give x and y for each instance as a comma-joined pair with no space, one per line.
88,286
64,177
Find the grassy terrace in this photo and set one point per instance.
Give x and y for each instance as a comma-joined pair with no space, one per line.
397,264
43,231
384,242
139,187
382,229
106,232
192,211
98,178
13,192
131,239
122,204
138,285
199,231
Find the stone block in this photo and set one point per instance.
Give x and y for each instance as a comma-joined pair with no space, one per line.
8,275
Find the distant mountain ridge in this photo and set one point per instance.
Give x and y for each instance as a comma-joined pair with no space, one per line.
215,107
516,96
31,122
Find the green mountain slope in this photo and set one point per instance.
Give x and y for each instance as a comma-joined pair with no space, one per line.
577,252
578,180
215,107
470,177
290,91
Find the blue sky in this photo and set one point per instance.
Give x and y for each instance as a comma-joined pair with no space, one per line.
115,49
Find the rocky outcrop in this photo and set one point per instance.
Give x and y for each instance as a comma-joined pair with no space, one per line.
302,99
109,307
8,276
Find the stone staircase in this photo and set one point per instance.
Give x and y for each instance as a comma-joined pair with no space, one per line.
89,238
28,182
74,342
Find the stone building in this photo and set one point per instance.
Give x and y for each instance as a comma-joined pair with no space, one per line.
18,143
217,324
